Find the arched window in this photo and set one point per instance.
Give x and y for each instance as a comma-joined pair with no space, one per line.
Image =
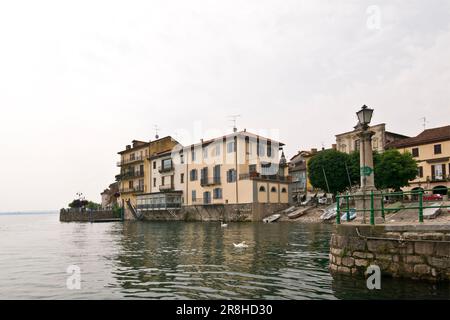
283,190
262,189
273,189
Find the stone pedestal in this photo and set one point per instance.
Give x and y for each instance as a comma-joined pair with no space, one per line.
363,204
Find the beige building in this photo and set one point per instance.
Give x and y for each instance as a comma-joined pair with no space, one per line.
348,142
135,174
431,149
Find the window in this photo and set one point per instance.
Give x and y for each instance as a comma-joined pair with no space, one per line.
415,152
230,147
252,168
261,150
132,157
217,149
130,184
194,175
438,171
231,175
262,189
269,151
154,164
154,182
283,190
357,145
216,173
193,155
437,149
206,197
181,158
194,195
166,164
217,193
205,152
182,178
420,172
273,189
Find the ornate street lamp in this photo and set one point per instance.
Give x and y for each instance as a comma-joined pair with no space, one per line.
364,116
366,162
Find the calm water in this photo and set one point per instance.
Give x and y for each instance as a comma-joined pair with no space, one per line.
178,261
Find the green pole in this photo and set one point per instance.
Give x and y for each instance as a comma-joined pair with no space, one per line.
382,206
348,208
338,211
372,211
420,206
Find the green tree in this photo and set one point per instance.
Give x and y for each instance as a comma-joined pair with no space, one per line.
395,170
332,165
93,206
392,169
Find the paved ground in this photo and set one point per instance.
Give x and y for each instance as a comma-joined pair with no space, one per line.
403,216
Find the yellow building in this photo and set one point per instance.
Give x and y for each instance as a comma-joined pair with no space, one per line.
135,173
431,149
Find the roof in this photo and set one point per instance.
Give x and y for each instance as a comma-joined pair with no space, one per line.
141,144
355,130
427,136
240,133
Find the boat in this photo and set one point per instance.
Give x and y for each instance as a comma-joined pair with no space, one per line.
352,215
288,210
272,218
329,213
298,213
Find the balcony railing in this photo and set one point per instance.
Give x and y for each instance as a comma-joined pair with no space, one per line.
166,187
258,176
130,160
442,178
132,190
163,169
130,175
209,181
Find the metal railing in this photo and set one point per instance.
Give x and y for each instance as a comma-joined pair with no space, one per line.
417,196
257,175
166,187
134,189
162,169
130,175
209,181
130,160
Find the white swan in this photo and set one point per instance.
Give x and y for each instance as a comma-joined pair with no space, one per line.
240,245
223,225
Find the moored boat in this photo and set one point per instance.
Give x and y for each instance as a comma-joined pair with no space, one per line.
272,218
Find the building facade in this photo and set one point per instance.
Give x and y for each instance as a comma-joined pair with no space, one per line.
237,169
431,149
349,142
135,173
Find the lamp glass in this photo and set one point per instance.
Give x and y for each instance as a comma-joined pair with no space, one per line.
365,115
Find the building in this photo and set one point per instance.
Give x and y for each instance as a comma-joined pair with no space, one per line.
110,195
135,174
348,142
431,149
237,169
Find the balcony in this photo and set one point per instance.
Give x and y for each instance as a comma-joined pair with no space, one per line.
209,181
257,176
166,187
130,160
441,178
130,175
137,189
163,169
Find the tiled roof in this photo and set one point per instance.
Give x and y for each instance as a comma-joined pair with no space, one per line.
427,136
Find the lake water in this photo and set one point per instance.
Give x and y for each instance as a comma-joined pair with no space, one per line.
177,260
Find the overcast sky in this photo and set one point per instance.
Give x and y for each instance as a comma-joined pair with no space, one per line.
79,80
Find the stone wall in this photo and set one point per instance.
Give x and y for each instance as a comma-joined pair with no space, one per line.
214,212
70,215
417,252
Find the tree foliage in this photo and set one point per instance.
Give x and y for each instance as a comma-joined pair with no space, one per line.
393,170
332,165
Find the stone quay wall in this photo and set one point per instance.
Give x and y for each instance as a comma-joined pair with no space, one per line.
416,251
215,212
68,215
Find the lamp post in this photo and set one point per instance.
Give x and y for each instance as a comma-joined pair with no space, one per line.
366,161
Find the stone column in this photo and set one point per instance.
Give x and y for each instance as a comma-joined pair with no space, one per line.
363,196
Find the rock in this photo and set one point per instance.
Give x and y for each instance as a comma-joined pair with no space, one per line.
344,270
336,252
414,259
338,260
411,235
422,269
361,263
385,257
432,236
425,248
363,255
443,249
380,246
333,267
441,263
348,261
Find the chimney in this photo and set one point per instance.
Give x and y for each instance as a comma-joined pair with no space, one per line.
128,147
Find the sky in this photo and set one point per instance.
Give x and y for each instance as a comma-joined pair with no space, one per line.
79,80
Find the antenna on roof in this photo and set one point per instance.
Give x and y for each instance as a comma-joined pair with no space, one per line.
156,131
424,119
234,118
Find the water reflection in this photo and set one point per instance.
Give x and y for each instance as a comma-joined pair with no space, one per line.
199,261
